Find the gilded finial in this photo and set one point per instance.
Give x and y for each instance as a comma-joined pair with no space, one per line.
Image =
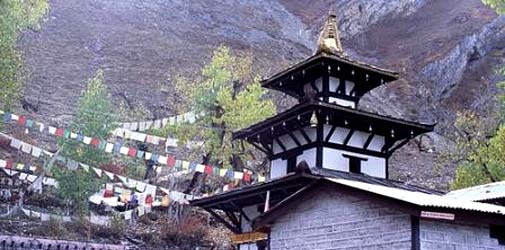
329,38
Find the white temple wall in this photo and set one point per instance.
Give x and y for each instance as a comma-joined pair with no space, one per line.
309,156
334,159
334,82
278,168
348,87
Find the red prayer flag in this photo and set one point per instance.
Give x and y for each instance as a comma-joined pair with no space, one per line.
95,142
22,120
149,199
132,152
171,161
247,177
9,164
108,193
208,169
59,132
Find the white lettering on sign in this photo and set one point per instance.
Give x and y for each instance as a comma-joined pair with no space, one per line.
437,215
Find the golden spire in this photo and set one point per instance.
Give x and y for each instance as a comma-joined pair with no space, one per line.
329,39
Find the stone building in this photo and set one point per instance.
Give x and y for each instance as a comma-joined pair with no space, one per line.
328,184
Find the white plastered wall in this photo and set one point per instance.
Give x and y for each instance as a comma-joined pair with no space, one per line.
373,166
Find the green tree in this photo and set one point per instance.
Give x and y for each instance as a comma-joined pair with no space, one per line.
498,5
231,98
94,118
15,16
480,146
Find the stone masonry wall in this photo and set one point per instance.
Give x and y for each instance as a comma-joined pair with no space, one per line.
435,235
327,219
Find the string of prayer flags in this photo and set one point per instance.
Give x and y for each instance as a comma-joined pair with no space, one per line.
132,152
189,117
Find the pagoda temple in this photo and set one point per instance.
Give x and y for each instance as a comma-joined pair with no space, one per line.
328,185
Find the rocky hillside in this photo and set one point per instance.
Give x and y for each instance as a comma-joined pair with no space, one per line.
444,49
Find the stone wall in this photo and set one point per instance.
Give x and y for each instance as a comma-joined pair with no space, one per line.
436,235
328,219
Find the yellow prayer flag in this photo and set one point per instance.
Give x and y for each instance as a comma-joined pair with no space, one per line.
261,178
20,166
222,172
185,165
165,201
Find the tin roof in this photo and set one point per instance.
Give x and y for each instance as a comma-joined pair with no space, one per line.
420,198
486,192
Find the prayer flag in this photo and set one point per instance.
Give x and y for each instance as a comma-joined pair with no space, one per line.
132,152
95,141
66,133
26,148
117,147
192,166
109,147
124,150
59,132
80,137
22,120
238,175
140,154
178,165
200,168
86,140
155,157
29,123
15,143
171,162
102,145
163,159
36,151
208,169
7,117
148,155
222,172
52,130
185,165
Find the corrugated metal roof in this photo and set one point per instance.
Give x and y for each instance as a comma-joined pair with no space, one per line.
484,192
421,199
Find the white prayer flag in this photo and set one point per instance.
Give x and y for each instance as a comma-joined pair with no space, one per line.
238,175
140,186
3,164
109,175
128,214
124,150
73,135
162,159
84,166
200,168
109,147
52,130
15,143
148,155
86,140
36,151
26,148
98,171
41,126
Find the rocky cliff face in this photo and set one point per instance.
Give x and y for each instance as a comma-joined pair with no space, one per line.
444,49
